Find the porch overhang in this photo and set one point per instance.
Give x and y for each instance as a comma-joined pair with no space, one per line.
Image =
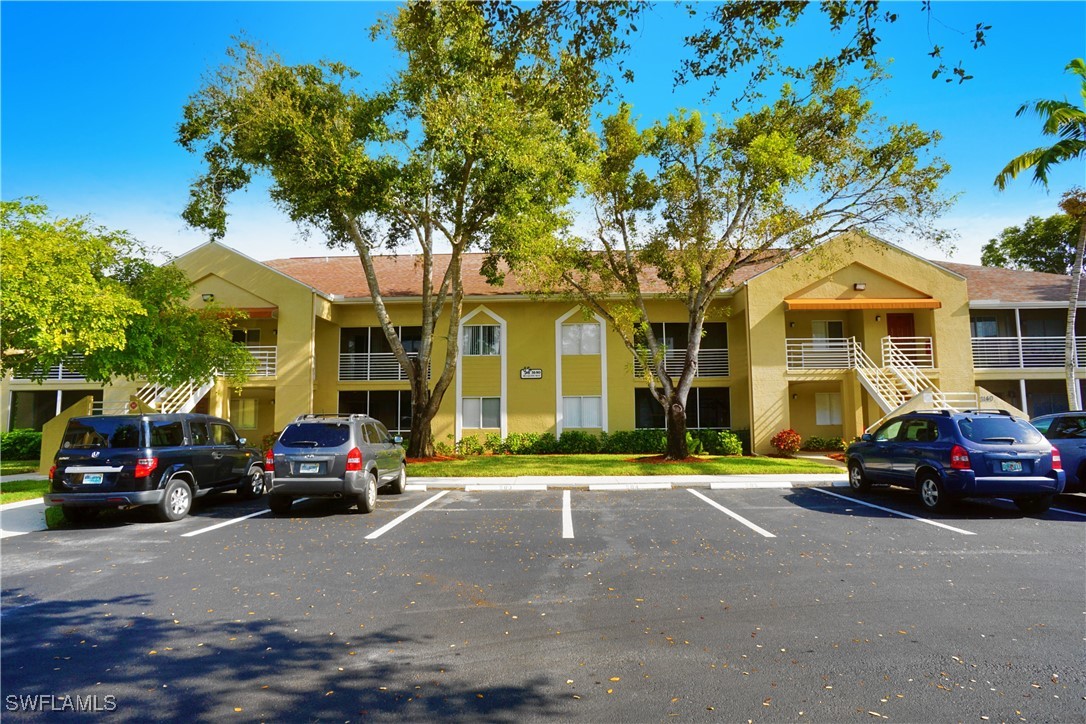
804,304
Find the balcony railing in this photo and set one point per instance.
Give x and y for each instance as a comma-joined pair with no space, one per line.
711,363
832,354
356,366
1024,352
267,359
61,373
917,350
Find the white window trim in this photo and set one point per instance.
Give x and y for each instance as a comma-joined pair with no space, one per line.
501,340
480,398
559,415
503,346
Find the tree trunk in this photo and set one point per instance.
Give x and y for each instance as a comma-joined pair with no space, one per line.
420,444
676,430
1074,400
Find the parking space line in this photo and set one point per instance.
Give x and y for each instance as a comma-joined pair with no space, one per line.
567,516
389,526
1069,512
231,521
741,519
896,512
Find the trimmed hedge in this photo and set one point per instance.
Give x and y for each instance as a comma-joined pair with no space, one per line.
579,442
20,444
824,443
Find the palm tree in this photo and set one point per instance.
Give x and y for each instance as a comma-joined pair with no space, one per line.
1067,122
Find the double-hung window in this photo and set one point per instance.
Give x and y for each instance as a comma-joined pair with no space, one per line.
580,339
581,411
482,412
482,339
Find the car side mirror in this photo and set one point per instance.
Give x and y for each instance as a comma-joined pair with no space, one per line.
867,437
398,440
241,442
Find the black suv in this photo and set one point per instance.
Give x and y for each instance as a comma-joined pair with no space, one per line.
334,456
947,455
113,461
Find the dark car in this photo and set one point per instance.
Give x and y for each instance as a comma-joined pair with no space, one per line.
164,460
1067,432
947,455
334,456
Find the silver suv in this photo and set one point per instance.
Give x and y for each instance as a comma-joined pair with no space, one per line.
333,456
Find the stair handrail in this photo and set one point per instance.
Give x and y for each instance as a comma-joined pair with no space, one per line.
880,382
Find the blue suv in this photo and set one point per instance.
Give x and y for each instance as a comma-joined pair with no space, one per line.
1067,432
947,455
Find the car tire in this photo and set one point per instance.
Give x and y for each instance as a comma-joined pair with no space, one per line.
1034,504
399,485
933,495
78,514
367,499
856,478
279,503
176,501
252,486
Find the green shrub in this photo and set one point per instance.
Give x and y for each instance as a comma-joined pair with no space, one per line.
545,444
574,442
824,443
694,444
730,444
493,443
469,446
20,444
786,441
635,442
444,449
268,441
520,443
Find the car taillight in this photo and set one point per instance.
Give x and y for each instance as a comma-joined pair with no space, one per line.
959,458
144,466
1057,463
354,460
269,462
52,472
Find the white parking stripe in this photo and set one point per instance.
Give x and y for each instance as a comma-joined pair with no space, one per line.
896,512
567,516
1069,512
741,519
231,521
389,526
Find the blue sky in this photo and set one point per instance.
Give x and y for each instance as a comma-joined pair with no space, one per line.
91,95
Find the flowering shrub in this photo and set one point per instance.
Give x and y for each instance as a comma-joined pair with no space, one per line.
787,441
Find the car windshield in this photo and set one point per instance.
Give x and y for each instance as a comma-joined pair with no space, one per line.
315,434
998,430
102,432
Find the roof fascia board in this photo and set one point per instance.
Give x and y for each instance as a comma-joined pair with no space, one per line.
246,257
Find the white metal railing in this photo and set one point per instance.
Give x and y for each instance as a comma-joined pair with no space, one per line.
355,366
267,359
917,350
898,362
820,353
1023,352
711,363
182,398
881,386
61,373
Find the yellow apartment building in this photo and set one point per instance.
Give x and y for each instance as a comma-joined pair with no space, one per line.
826,342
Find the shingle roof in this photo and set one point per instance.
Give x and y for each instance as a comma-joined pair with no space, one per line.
401,276
1010,286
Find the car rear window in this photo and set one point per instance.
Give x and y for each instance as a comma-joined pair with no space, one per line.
167,434
315,434
102,432
998,429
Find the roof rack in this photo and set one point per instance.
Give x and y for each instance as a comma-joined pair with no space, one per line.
989,411
322,415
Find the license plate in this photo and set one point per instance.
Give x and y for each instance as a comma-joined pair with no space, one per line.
92,478
310,468
1012,466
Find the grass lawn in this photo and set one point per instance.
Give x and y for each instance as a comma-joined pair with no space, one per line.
502,466
14,467
16,490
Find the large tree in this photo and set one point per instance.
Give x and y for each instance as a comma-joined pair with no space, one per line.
1043,245
692,203
1067,122
475,142
89,297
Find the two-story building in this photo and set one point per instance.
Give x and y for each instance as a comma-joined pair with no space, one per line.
826,342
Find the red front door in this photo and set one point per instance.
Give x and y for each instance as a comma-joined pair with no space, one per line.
900,325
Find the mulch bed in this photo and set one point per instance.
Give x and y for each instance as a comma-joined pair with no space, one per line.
434,459
661,459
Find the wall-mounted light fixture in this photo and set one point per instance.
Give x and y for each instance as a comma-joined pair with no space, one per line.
795,396
207,297
878,317
792,324
859,286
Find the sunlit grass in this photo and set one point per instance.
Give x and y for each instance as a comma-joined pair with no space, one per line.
16,490
500,466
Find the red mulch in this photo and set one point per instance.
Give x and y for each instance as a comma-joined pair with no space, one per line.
661,459
836,456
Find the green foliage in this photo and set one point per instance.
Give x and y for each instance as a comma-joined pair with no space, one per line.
469,445
20,445
635,442
268,441
786,441
492,443
835,444
1042,245
714,442
694,445
520,443
91,299
574,442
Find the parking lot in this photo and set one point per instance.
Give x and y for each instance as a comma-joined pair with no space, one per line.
772,604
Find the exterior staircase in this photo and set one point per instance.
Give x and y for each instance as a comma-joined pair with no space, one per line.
899,385
182,398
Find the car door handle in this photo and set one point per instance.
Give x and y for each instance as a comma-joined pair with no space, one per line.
216,456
